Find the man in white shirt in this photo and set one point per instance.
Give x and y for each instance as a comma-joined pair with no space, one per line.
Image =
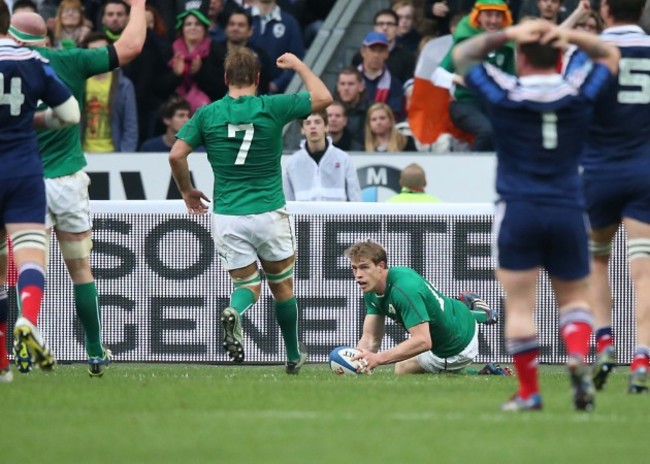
319,171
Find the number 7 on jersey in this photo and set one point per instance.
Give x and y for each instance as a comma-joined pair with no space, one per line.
245,143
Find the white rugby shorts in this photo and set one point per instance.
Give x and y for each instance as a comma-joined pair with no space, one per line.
240,240
435,365
68,203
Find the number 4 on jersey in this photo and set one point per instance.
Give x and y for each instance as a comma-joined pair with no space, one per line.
15,98
246,142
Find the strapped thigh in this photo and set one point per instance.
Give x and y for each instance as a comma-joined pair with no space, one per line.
76,249
600,248
286,273
28,238
638,248
248,281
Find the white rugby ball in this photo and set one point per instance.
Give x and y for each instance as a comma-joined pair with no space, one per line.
341,361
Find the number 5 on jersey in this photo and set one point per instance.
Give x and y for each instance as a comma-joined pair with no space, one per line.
246,141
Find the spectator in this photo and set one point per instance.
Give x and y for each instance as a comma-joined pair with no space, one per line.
152,79
337,118
550,10
110,121
197,63
350,90
407,36
115,15
413,181
467,111
174,113
276,32
239,30
170,9
400,61
591,22
319,171
441,11
70,27
584,18
216,31
379,82
381,134
156,23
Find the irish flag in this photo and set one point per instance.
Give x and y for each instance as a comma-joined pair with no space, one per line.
428,115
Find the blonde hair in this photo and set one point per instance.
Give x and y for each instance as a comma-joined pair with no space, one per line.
242,67
367,249
58,22
396,142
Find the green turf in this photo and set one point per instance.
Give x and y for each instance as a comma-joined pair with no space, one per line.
191,414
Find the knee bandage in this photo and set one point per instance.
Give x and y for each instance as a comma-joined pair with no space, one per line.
638,248
600,249
29,239
283,275
249,281
76,249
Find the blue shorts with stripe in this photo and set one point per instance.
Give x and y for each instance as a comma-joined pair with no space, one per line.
22,200
528,235
611,199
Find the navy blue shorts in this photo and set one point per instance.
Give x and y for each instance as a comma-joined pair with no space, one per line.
22,200
528,235
610,200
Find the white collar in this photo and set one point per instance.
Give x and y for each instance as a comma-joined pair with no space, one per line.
624,28
540,79
275,13
8,41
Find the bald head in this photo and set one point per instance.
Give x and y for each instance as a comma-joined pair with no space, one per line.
28,27
412,177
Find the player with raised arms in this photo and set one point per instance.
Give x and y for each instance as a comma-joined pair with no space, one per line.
68,209
617,186
25,78
540,123
242,135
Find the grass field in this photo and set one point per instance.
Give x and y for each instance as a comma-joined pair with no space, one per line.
192,414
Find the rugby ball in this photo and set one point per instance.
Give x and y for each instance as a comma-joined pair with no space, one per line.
341,361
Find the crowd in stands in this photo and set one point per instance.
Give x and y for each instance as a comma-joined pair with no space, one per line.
188,40
183,55
143,105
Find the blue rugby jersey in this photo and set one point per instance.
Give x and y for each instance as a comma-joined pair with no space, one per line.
25,78
619,135
539,126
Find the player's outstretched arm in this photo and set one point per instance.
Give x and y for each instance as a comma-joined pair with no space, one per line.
180,170
320,94
130,43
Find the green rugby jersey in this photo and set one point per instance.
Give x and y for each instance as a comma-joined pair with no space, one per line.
61,149
243,141
410,300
